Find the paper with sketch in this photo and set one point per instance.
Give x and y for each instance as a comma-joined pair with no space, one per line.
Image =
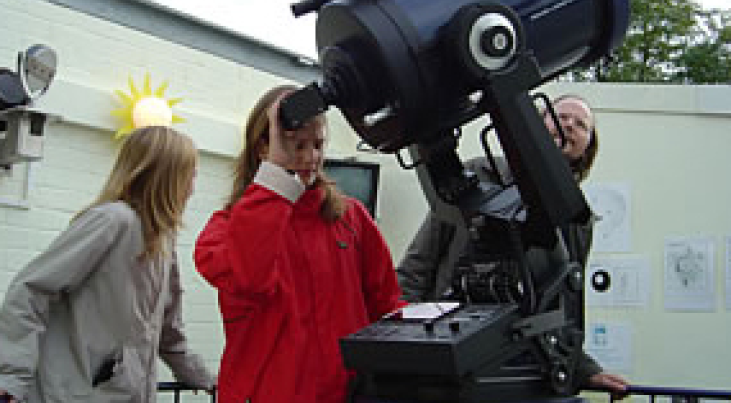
610,344
611,204
690,274
618,282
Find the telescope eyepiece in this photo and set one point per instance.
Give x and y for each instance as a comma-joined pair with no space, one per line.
497,42
307,6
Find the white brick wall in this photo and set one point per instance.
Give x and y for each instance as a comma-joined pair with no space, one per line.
96,58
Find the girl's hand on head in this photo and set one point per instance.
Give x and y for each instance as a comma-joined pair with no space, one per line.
282,143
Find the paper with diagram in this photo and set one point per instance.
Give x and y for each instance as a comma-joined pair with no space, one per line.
611,204
690,274
627,282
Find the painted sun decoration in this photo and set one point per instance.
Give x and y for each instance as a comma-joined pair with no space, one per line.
145,107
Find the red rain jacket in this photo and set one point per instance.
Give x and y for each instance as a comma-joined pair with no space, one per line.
290,286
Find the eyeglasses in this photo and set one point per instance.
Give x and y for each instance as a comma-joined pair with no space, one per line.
582,124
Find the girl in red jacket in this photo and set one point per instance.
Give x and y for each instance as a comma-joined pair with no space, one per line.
297,266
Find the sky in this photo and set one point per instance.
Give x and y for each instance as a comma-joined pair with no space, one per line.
272,22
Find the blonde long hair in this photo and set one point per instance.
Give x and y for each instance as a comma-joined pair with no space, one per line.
256,135
153,174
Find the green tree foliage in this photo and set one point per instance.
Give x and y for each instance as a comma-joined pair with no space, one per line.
669,41
709,59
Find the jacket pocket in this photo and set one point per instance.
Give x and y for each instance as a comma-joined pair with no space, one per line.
107,369
120,377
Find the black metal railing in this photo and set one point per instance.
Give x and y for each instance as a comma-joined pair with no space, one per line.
177,389
679,395
683,395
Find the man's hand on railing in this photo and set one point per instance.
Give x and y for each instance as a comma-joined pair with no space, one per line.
612,383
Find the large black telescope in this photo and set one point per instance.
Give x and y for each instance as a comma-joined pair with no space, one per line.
407,74
403,70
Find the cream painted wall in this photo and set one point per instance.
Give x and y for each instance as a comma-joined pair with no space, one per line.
669,143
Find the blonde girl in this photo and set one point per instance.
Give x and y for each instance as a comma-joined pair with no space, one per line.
86,320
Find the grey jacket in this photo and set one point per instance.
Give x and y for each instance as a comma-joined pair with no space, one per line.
87,305
425,274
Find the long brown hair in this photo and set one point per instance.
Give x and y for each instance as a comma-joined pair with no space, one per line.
256,135
153,174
